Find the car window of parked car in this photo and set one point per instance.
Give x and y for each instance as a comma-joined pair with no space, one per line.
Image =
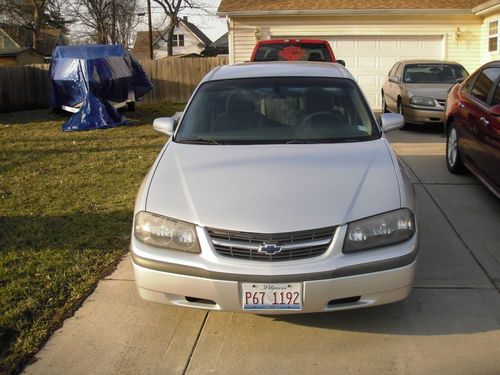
433,73
278,110
399,71
484,83
392,72
293,52
495,100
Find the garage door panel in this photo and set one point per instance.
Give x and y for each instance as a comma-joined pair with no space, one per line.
369,58
367,61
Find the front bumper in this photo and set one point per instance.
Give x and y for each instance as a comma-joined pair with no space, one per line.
423,116
332,281
319,295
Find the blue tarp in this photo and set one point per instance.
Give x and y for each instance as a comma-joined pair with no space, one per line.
95,75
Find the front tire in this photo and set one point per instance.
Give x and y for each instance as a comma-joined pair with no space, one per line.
384,105
401,111
453,158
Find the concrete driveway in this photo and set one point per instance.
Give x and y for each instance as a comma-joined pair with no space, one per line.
450,324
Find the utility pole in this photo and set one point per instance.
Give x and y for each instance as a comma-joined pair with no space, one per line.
113,26
150,31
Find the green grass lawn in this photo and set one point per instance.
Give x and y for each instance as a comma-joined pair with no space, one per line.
66,202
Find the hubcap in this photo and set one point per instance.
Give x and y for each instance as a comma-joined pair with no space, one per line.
452,147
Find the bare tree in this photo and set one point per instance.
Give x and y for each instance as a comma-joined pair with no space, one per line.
172,8
28,14
107,21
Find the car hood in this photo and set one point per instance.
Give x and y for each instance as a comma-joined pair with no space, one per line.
274,188
431,90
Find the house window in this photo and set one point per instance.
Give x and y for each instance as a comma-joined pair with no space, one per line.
493,36
178,40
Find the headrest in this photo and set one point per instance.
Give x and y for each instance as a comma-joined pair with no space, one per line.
317,99
314,56
240,101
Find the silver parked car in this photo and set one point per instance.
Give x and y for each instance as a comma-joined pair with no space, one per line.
277,192
417,89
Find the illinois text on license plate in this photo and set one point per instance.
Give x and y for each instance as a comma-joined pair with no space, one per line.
287,296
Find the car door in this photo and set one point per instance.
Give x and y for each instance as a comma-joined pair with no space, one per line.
388,97
474,117
395,88
490,135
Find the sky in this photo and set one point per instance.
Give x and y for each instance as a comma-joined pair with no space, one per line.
210,24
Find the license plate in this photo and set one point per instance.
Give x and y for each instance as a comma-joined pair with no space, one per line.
287,296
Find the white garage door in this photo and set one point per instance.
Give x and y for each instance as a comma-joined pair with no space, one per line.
369,58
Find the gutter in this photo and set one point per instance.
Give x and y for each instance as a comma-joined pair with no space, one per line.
487,7
344,12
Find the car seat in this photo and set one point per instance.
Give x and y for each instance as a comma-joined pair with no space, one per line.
240,113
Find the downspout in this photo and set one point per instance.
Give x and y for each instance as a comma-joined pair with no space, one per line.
231,39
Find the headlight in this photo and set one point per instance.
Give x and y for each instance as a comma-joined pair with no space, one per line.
381,230
422,100
163,232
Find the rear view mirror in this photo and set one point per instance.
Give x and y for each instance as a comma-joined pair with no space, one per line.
495,110
391,121
341,62
164,125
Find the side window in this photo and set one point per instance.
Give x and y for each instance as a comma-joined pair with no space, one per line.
393,70
399,72
496,96
469,83
484,83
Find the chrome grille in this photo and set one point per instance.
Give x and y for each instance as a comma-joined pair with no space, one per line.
294,245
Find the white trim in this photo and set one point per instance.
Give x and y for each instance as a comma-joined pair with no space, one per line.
487,7
355,33
343,12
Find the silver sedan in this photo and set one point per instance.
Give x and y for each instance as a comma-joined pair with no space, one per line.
277,192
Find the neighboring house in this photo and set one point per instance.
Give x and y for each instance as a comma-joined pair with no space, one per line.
371,35
219,47
188,39
20,56
12,36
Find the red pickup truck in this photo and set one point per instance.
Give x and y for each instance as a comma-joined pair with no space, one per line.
294,50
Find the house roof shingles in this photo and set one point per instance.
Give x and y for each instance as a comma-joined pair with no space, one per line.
228,6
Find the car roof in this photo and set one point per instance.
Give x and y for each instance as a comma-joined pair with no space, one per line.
427,61
279,69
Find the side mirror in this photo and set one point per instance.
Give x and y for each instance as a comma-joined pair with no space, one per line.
391,121
341,62
394,79
495,110
164,125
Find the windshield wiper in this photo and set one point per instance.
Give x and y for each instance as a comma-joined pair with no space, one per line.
201,141
300,141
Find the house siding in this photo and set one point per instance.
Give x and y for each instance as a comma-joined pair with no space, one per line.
191,44
485,55
465,50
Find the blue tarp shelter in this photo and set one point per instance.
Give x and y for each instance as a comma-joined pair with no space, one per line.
95,75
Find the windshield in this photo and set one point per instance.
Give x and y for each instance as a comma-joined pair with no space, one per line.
434,73
292,52
277,110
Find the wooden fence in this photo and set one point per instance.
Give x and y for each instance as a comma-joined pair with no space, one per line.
174,79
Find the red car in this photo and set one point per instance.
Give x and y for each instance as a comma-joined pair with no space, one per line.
294,50
473,126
